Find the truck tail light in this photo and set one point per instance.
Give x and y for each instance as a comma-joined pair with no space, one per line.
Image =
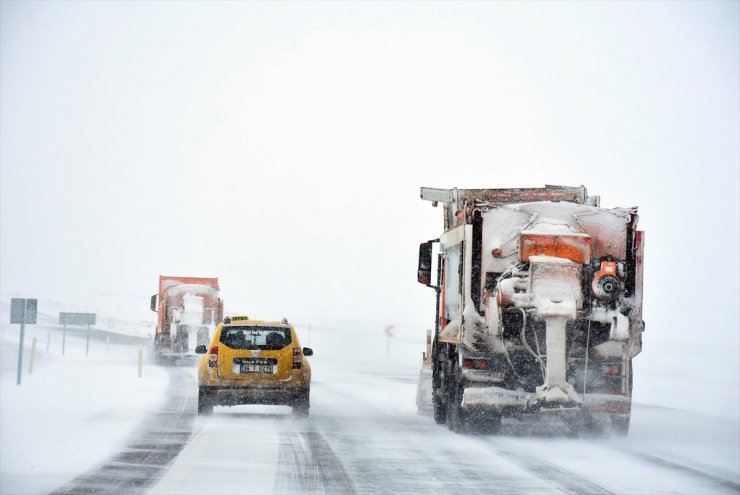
213,357
613,370
297,359
475,364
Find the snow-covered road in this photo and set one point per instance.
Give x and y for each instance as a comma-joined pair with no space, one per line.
364,436
123,434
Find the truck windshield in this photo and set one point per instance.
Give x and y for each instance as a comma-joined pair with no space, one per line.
256,337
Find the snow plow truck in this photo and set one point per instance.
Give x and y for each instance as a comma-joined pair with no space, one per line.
188,309
539,308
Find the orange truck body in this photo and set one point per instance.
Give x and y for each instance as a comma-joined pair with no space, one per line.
188,309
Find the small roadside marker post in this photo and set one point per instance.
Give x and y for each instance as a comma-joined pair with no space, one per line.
87,345
64,337
33,356
48,340
388,334
139,362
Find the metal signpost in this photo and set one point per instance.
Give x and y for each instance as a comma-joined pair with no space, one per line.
77,319
22,311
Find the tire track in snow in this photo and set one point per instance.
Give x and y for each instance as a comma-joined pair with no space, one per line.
161,437
712,479
568,481
309,465
409,455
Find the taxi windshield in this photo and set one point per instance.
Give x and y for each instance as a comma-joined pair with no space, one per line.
256,337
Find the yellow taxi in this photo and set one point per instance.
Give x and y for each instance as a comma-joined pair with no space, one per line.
254,362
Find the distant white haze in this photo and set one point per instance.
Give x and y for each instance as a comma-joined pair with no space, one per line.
281,146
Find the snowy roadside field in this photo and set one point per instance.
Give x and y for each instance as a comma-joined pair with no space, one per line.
72,412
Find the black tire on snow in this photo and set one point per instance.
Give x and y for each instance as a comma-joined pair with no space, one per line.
440,411
205,405
457,417
438,393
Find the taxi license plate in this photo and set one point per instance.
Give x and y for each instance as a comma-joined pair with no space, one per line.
256,368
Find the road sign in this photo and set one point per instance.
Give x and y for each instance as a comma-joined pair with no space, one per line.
77,318
23,310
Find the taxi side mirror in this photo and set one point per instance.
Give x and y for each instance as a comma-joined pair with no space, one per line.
307,351
201,349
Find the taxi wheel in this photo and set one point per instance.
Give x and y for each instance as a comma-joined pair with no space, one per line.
205,406
301,404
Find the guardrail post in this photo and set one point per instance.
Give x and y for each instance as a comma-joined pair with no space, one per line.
139,363
87,345
33,356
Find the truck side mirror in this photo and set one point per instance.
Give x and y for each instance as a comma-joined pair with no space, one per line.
153,303
201,349
307,351
424,273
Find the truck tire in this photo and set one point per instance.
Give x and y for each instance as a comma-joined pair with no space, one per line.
440,411
438,394
302,404
205,405
457,417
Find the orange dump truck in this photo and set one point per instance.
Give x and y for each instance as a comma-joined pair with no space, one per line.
188,309
539,308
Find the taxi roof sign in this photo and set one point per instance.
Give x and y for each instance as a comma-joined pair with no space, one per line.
229,319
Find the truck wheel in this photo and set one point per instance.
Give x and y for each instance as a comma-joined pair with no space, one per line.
205,406
440,411
438,392
302,404
457,418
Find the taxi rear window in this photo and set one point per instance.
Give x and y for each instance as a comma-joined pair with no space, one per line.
256,337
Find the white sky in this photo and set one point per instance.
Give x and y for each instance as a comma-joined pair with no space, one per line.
281,146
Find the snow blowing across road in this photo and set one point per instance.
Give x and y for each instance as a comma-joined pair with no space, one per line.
88,424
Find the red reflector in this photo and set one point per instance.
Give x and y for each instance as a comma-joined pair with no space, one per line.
613,370
478,364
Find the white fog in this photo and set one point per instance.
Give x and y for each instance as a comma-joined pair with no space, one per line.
281,147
